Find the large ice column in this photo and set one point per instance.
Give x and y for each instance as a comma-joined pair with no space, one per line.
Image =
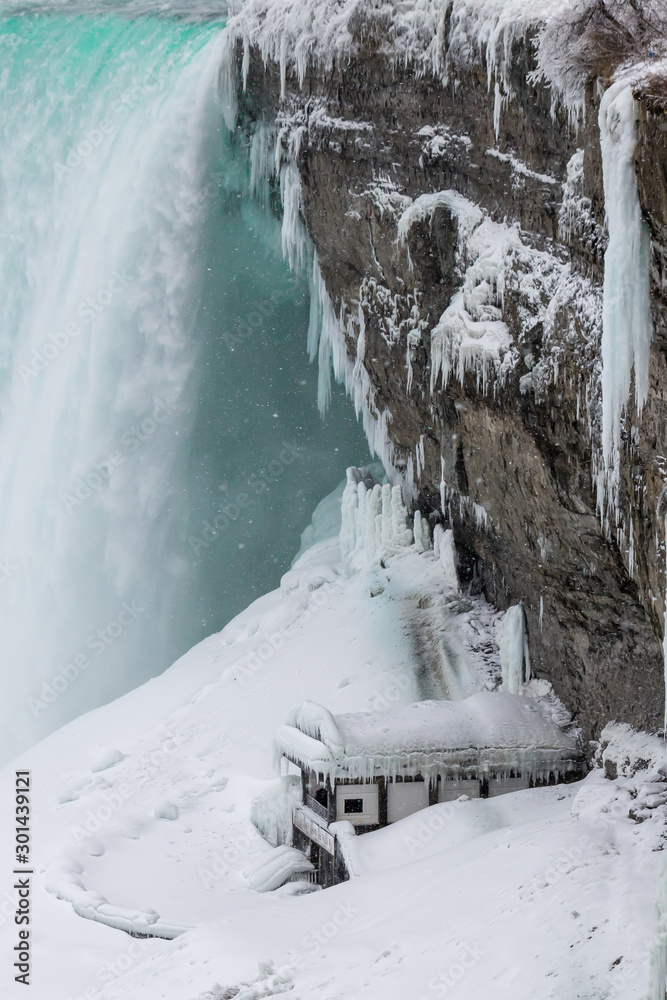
626,322
514,654
421,533
444,549
374,521
658,968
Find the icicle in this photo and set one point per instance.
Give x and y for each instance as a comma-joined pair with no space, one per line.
262,161
443,486
373,522
444,550
401,533
227,81
658,967
664,642
514,654
541,611
421,533
499,102
413,341
626,320
349,529
419,455
294,239
386,515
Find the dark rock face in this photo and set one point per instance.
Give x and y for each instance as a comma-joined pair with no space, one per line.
520,436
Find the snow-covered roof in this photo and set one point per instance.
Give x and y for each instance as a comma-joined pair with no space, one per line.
491,731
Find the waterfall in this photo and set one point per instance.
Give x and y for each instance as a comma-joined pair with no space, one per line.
132,259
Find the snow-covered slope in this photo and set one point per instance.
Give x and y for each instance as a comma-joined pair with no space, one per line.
141,820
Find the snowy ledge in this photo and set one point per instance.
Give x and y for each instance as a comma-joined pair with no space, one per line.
433,37
64,881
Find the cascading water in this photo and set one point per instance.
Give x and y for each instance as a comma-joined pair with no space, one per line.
159,442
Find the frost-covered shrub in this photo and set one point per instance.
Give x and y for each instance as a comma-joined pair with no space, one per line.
592,38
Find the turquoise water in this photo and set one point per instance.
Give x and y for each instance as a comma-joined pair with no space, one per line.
160,447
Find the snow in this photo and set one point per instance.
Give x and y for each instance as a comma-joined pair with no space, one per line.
167,810
514,654
520,169
325,522
468,215
453,824
575,216
300,34
433,37
471,334
283,863
532,905
664,639
106,760
626,325
530,888
439,141
658,967
488,732
387,197
632,751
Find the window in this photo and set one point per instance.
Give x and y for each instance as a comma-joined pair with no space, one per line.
357,803
354,805
321,797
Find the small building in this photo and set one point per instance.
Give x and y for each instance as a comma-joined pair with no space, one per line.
374,768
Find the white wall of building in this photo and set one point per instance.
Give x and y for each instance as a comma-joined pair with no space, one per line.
405,798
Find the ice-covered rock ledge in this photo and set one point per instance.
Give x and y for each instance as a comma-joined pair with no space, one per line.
444,161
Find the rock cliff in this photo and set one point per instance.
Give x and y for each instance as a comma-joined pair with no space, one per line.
458,220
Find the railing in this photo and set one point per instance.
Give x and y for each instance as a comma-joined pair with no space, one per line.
317,808
303,877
